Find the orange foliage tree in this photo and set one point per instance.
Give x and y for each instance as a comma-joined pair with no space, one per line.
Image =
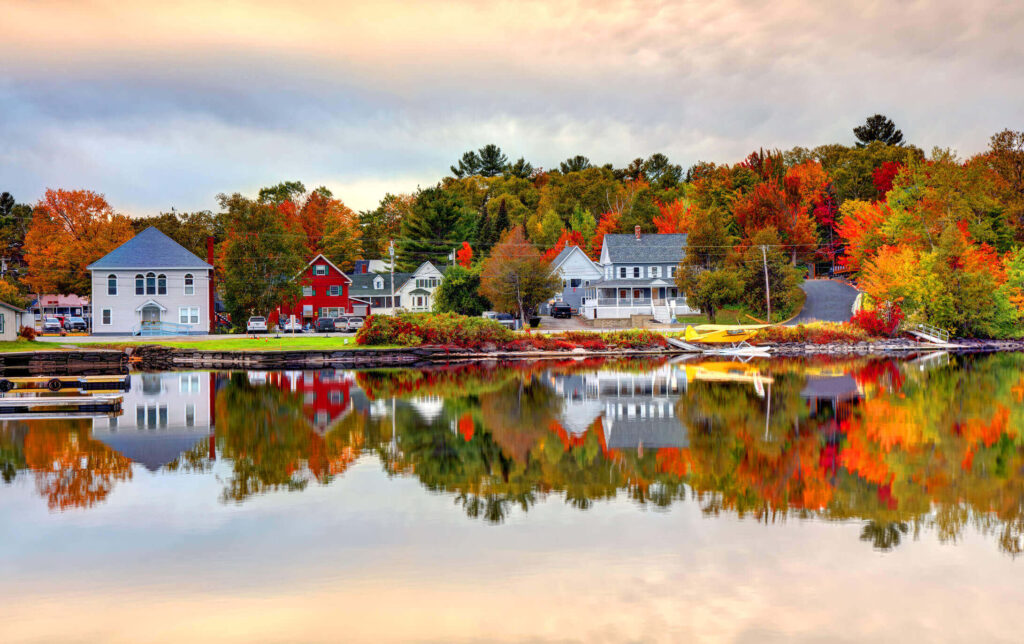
566,239
70,229
860,230
674,217
765,207
607,224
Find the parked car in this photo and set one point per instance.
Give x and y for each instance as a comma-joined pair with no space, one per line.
324,325
506,319
74,323
256,324
293,325
561,310
354,323
51,325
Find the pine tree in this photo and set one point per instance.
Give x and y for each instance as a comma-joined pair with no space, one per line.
501,223
438,223
484,231
878,128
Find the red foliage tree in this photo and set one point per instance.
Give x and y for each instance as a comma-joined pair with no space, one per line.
464,256
674,217
608,223
883,177
566,239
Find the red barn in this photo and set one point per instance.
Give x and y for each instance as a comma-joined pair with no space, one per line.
324,294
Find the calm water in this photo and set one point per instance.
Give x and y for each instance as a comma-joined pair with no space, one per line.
568,501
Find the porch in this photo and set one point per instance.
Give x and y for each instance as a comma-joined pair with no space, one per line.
659,300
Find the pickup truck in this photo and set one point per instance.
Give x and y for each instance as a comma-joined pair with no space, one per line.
256,324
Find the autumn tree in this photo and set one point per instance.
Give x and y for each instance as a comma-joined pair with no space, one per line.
515,278
464,256
342,237
437,223
584,224
704,275
70,229
673,217
190,229
1005,157
565,240
11,294
608,224
764,249
259,258
766,207
384,223
878,128
14,222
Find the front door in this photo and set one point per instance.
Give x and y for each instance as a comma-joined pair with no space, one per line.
150,315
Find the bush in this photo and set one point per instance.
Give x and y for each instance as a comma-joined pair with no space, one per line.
879,322
412,329
816,333
27,333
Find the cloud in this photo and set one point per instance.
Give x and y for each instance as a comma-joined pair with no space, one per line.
169,103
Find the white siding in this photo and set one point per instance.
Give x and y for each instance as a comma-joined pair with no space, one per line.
124,318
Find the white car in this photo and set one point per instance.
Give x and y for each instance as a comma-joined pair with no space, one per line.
293,325
354,323
51,325
256,324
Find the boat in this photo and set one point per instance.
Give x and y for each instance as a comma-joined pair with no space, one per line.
82,384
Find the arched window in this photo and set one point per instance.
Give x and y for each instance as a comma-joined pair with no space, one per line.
140,285
190,284
150,283
111,284
161,284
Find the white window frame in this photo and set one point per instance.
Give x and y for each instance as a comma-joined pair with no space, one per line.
307,290
655,271
190,289
189,313
107,314
114,276
334,291
319,269
623,271
2,322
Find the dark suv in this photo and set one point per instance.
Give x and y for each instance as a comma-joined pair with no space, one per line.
324,324
561,310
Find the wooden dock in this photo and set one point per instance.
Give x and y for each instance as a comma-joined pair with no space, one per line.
100,403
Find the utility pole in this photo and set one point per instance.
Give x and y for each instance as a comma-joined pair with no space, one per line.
391,252
767,291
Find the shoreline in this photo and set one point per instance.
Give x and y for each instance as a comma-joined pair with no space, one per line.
155,356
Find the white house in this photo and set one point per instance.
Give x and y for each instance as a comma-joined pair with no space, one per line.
150,285
11,320
413,291
577,271
639,278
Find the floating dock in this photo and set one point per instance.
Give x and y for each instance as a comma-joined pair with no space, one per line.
19,404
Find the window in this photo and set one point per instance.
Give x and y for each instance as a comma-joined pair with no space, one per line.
190,284
307,291
188,383
163,415
150,283
622,272
190,415
335,290
671,271
105,316
140,285
378,284
398,301
188,315
636,272
655,271
111,284
320,269
161,282
575,282
2,322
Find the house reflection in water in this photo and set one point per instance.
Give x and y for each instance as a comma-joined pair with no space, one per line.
165,414
636,410
326,393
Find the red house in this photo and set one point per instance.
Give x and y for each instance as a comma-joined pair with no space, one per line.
324,294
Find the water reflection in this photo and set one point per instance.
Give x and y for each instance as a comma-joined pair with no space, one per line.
927,445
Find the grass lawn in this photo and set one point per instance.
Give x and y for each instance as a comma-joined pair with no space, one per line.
25,345
308,343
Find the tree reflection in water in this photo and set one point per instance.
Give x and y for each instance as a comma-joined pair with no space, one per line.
902,446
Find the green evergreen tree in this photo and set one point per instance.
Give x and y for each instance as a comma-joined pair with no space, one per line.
438,222
459,293
501,222
484,231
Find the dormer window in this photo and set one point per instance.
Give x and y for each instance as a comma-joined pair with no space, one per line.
320,269
378,283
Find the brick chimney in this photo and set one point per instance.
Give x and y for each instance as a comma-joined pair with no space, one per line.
636,231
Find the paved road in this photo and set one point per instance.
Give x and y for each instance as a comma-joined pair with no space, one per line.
827,301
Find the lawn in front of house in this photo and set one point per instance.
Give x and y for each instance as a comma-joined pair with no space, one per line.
259,343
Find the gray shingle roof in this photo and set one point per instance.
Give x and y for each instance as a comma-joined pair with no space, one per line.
149,249
560,257
362,284
649,249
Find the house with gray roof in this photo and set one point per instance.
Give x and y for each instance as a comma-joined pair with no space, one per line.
150,285
413,291
577,271
639,273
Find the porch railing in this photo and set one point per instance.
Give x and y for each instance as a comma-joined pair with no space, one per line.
159,327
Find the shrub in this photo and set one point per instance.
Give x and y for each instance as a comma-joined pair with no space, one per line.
816,333
411,329
882,321
27,333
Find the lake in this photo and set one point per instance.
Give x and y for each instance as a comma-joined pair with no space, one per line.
577,500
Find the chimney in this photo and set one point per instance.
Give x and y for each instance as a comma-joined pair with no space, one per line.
636,230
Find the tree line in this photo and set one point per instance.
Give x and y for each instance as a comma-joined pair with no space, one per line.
873,210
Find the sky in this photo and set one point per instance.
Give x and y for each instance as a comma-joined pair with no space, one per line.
166,104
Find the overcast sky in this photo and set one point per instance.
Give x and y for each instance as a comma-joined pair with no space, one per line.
168,103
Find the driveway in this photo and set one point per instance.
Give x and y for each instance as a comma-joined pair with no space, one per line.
827,301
